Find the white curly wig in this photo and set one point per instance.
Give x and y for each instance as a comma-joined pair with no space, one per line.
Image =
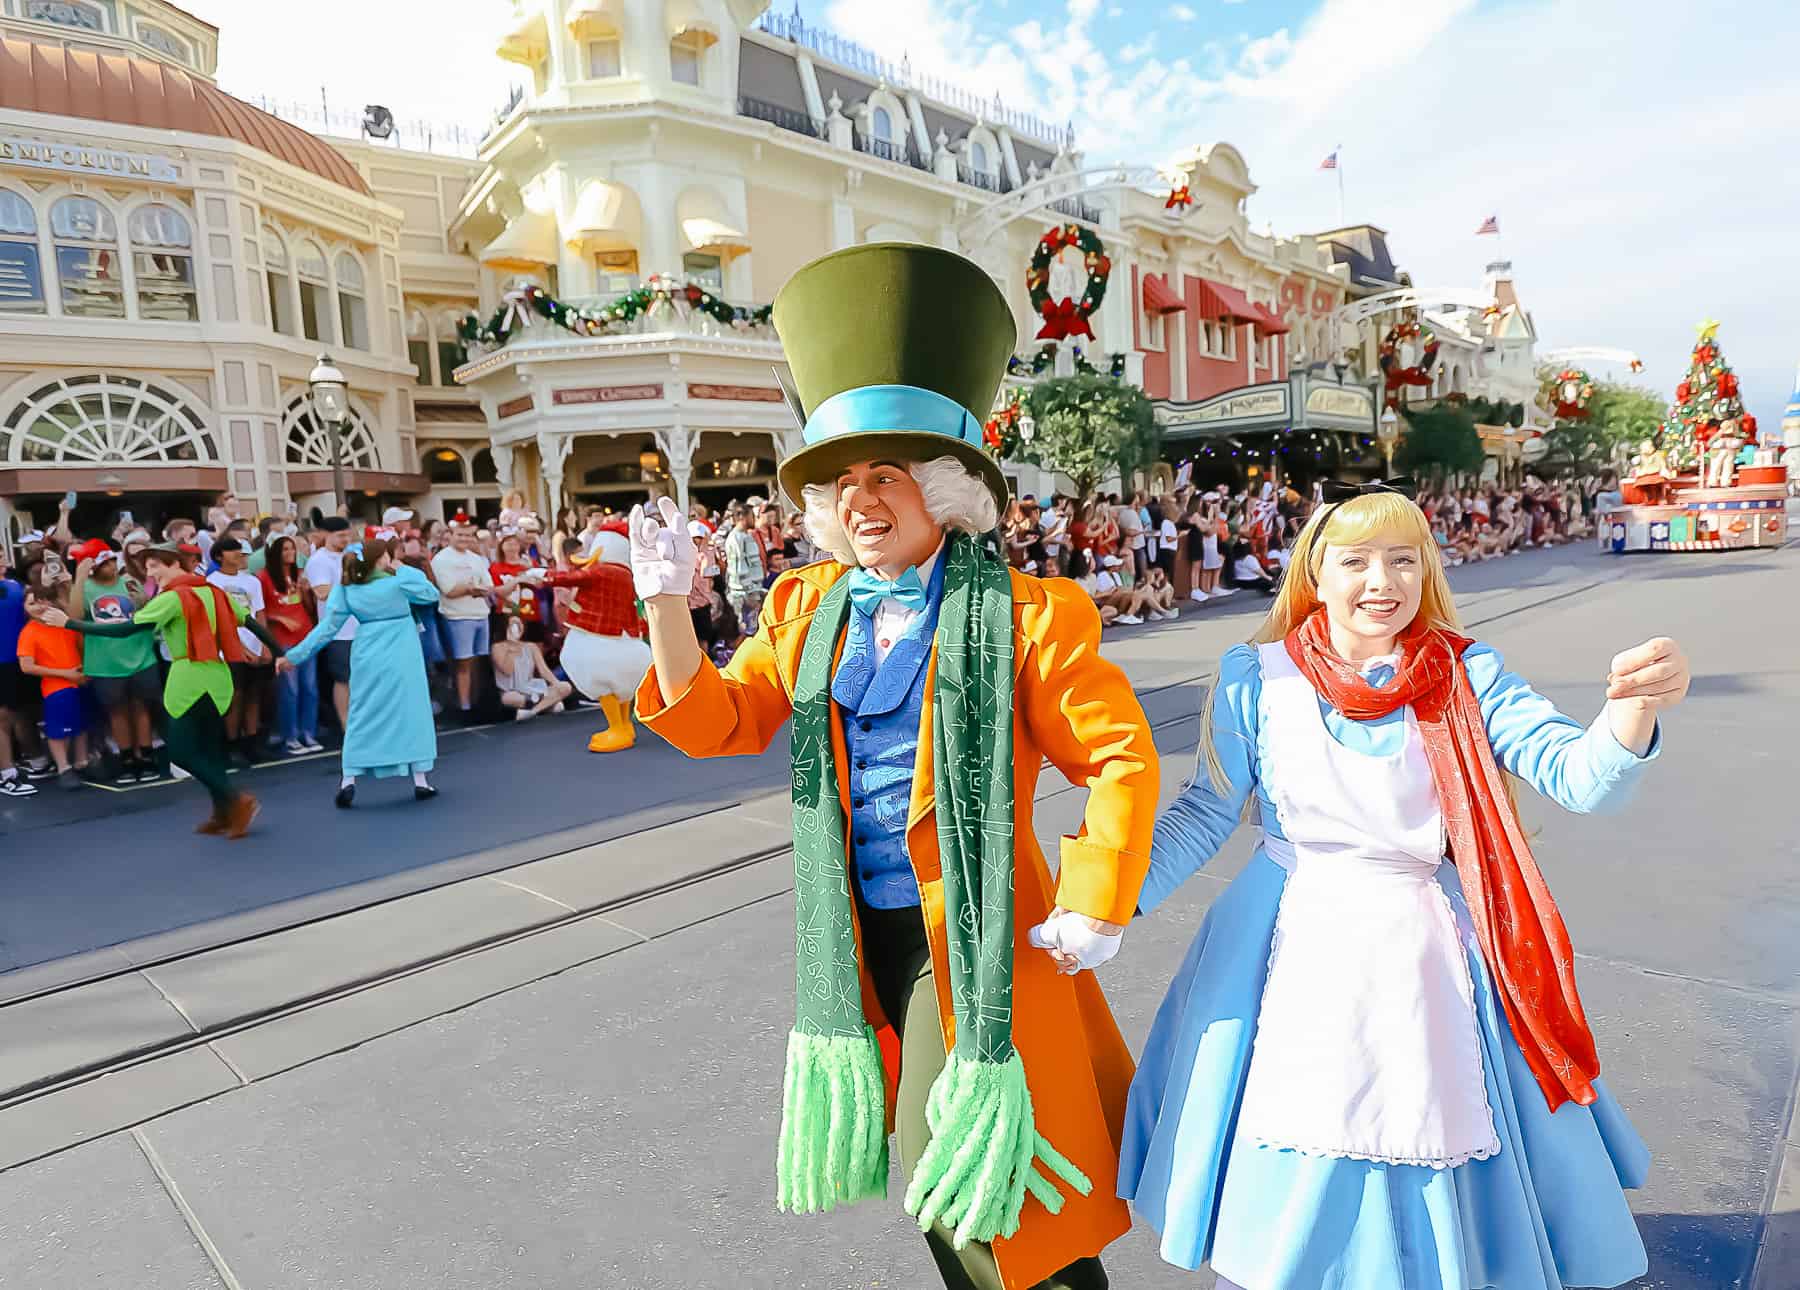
955,497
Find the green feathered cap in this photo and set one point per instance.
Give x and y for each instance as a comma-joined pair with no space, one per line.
897,350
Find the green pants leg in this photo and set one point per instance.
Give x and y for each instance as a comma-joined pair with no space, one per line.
196,742
900,960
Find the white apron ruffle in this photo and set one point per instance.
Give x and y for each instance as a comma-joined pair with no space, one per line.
1366,1043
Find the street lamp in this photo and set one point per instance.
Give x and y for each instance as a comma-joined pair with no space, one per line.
1389,433
331,405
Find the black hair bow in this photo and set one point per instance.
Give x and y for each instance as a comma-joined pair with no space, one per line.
1336,490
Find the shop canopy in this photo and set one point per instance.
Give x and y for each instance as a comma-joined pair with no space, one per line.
1269,322
528,243
1158,299
1226,304
708,226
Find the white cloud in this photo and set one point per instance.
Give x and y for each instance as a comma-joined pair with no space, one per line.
1182,13
1131,53
1115,11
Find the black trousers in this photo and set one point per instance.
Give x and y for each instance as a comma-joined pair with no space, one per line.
898,953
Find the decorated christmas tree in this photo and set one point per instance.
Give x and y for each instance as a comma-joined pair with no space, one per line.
1705,401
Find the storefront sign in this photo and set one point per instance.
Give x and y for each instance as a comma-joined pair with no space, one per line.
1331,402
607,394
513,407
74,160
1237,407
737,393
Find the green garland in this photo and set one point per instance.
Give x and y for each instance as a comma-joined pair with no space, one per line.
656,293
1045,359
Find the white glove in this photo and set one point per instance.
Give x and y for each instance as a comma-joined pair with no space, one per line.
662,555
1070,933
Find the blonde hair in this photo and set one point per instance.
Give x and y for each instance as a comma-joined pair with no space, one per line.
954,496
1347,523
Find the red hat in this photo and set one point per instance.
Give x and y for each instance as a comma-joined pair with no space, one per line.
616,524
92,549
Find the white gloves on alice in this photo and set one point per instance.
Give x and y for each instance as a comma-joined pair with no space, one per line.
662,555
1070,933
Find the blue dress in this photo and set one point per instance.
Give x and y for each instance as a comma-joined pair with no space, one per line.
390,728
1548,1211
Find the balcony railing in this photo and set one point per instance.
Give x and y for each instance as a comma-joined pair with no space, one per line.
443,137
886,149
784,117
900,75
981,179
1075,208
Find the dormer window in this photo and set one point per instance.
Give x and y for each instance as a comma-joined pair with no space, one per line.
67,13
604,59
685,52
882,125
978,158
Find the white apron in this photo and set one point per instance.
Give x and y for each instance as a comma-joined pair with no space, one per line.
1366,1043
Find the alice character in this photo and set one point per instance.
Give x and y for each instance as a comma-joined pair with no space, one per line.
1373,1071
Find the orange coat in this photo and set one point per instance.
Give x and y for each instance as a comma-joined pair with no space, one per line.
1074,708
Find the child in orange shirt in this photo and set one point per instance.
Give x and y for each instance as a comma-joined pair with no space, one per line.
54,654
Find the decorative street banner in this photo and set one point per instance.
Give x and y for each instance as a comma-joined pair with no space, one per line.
71,159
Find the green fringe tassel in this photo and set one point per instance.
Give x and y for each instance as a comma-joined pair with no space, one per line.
979,1166
833,1148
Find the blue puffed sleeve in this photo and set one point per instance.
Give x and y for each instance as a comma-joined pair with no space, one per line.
1585,770
1200,820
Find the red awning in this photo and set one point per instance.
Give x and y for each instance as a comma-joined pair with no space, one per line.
1158,299
1270,323
1220,302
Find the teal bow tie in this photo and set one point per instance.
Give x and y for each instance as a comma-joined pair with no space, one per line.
868,590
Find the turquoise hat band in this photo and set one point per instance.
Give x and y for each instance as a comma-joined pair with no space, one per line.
891,407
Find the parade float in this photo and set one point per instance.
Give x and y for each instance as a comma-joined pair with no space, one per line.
1704,482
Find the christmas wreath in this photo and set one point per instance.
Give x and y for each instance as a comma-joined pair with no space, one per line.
1045,359
1067,317
1568,393
1389,357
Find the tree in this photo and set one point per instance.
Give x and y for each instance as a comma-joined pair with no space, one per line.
1439,441
1706,397
1088,427
1619,418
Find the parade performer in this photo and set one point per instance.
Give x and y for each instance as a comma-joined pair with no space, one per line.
927,684
190,612
389,731
1373,1070
604,654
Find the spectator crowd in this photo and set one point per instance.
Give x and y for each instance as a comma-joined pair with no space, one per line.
86,708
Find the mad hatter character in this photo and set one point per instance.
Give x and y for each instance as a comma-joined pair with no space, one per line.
1373,1070
927,685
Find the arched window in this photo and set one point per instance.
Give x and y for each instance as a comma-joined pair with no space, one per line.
87,258
307,443
443,466
418,345
978,158
21,280
353,313
162,249
315,292
281,290
882,124
482,469
164,43
104,418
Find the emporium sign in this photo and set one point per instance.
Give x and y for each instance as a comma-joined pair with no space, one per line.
1238,407
75,160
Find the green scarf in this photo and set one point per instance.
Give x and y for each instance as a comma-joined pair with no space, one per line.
976,1172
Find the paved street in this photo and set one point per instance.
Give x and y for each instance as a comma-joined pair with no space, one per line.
530,1035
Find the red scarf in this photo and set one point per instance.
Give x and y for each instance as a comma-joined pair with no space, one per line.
204,645
1521,934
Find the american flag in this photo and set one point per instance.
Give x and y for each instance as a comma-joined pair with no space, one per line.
1489,225
1330,162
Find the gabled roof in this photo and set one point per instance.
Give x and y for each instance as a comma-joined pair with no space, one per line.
59,81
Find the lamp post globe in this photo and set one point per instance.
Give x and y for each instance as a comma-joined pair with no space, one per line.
331,406
1388,432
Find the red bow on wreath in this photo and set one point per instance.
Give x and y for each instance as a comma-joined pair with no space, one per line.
1728,384
1063,319
1682,391
1179,197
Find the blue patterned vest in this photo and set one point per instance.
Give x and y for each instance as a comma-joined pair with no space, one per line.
881,706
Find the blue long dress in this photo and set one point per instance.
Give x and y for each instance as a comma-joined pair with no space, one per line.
1548,1211
390,728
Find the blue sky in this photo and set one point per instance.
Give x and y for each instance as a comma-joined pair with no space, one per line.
1640,156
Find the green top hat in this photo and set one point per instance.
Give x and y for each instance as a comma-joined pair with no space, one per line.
897,350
